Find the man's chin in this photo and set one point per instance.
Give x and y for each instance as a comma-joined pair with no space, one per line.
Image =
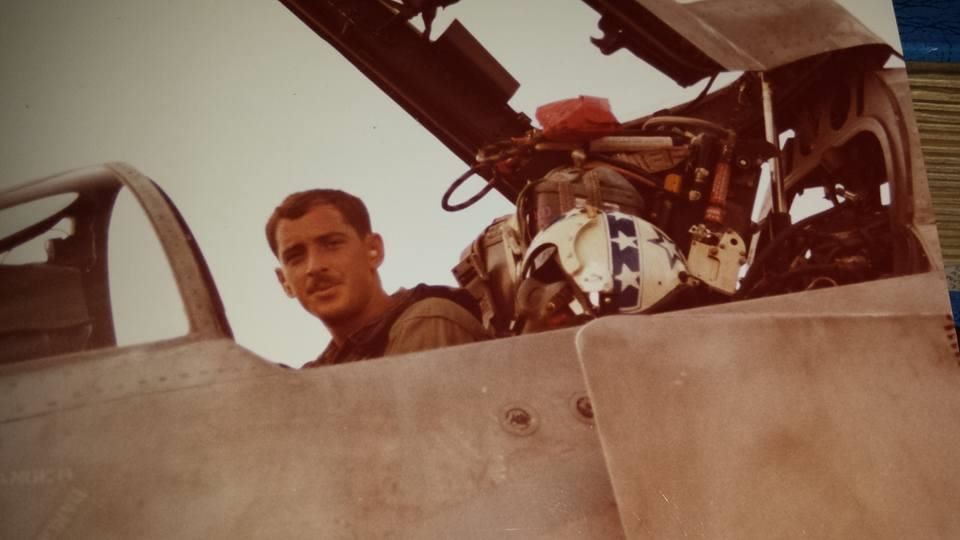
330,311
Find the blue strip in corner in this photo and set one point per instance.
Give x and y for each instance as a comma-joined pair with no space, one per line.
929,29
955,305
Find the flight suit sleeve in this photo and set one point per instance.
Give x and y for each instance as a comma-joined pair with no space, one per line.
433,323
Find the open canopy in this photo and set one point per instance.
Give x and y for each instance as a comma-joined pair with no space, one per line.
691,40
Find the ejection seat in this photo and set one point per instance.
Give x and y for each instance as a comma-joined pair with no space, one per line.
44,311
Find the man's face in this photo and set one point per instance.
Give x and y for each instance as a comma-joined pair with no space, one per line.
326,265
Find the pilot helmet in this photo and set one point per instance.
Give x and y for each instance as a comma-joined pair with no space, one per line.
591,263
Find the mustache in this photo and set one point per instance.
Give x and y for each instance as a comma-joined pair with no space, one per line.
321,281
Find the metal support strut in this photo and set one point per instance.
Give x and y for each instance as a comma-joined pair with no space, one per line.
779,216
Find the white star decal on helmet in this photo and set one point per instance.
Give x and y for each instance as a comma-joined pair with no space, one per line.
628,278
624,241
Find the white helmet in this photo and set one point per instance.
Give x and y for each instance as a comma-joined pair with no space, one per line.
597,263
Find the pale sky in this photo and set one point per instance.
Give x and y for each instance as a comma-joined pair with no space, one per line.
230,106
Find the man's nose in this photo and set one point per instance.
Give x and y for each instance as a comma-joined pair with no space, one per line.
317,262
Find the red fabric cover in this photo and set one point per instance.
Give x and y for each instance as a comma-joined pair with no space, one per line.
577,119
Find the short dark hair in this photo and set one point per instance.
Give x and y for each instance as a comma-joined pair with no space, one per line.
352,209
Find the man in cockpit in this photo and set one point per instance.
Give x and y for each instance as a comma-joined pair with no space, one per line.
329,259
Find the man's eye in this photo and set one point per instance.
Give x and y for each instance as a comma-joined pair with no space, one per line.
333,243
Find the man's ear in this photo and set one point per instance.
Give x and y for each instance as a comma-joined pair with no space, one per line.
283,282
374,244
